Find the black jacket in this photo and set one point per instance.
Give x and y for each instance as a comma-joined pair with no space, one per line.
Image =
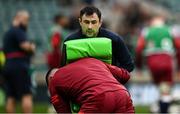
120,54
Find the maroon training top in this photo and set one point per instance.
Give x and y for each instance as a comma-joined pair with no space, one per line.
82,79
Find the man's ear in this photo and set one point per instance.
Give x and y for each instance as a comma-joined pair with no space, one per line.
80,21
100,23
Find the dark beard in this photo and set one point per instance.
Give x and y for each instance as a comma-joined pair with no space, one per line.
23,27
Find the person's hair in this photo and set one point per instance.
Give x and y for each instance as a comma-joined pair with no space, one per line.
47,75
89,10
58,17
21,12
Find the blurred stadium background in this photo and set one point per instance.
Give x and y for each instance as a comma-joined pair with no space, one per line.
126,17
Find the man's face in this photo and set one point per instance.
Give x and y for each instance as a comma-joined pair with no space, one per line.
90,25
24,20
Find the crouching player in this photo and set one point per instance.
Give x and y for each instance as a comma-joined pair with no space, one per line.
94,85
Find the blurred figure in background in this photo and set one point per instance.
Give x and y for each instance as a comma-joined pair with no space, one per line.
158,43
57,35
18,51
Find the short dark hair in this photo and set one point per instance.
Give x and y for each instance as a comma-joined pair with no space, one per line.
89,10
47,75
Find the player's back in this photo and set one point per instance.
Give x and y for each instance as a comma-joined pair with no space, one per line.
85,77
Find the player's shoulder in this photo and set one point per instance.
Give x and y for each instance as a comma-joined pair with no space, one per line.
11,31
16,29
109,34
74,35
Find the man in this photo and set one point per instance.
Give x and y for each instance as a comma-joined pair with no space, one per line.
90,22
158,43
56,36
95,86
18,51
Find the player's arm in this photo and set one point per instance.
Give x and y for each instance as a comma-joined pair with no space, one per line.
63,60
59,103
70,37
28,46
122,75
56,40
177,47
123,55
23,42
139,50
176,40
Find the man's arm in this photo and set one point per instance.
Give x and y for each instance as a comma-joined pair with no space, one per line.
176,40
72,36
123,55
177,47
59,103
120,74
63,56
139,50
28,46
23,42
56,40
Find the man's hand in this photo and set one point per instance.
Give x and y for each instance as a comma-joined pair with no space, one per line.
33,47
28,46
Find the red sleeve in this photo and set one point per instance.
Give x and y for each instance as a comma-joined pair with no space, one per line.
56,40
120,74
175,31
177,47
139,50
60,104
